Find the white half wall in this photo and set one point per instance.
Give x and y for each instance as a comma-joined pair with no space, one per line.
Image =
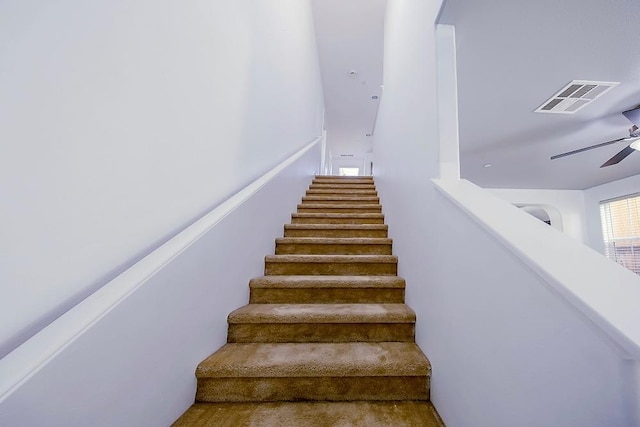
526,326
570,204
126,356
593,196
124,121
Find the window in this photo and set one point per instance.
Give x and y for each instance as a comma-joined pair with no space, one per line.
349,171
621,230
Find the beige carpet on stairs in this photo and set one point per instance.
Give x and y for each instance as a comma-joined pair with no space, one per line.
326,339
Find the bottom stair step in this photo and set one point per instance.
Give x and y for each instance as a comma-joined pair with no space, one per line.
314,371
308,414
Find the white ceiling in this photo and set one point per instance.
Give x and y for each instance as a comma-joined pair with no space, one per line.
350,35
514,54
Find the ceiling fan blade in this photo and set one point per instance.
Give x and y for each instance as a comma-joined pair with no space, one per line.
591,147
618,157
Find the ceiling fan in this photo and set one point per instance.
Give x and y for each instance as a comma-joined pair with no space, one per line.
634,138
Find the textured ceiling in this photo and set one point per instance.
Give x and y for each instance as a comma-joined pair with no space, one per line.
514,54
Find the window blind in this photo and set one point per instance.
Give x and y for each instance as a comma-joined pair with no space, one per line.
621,230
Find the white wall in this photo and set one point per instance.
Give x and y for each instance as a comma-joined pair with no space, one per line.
123,121
406,153
505,349
406,134
570,204
406,138
363,163
580,209
593,196
126,356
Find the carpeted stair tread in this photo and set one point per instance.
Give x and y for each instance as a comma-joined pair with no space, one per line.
336,227
337,240
321,323
312,414
339,181
328,282
336,230
365,265
350,199
337,245
340,191
336,218
345,178
337,208
345,259
323,313
289,360
327,289
346,198
355,186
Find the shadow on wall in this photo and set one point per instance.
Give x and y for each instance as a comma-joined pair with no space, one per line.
545,213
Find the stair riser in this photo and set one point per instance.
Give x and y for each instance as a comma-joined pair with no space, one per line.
332,249
304,220
250,389
340,201
335,233
326,296
334,209
345,178
342,181
330,268
339,192
393,413
320,332
342,186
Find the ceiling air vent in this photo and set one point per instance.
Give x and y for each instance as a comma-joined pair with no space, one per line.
575,96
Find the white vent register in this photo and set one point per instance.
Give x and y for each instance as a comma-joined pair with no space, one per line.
575,96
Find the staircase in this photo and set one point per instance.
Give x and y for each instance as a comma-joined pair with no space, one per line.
326,339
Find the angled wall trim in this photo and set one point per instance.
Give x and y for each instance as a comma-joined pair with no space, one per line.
617,318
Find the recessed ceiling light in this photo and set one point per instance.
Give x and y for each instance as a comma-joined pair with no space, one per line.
368,134
487,165
374,97
352,73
